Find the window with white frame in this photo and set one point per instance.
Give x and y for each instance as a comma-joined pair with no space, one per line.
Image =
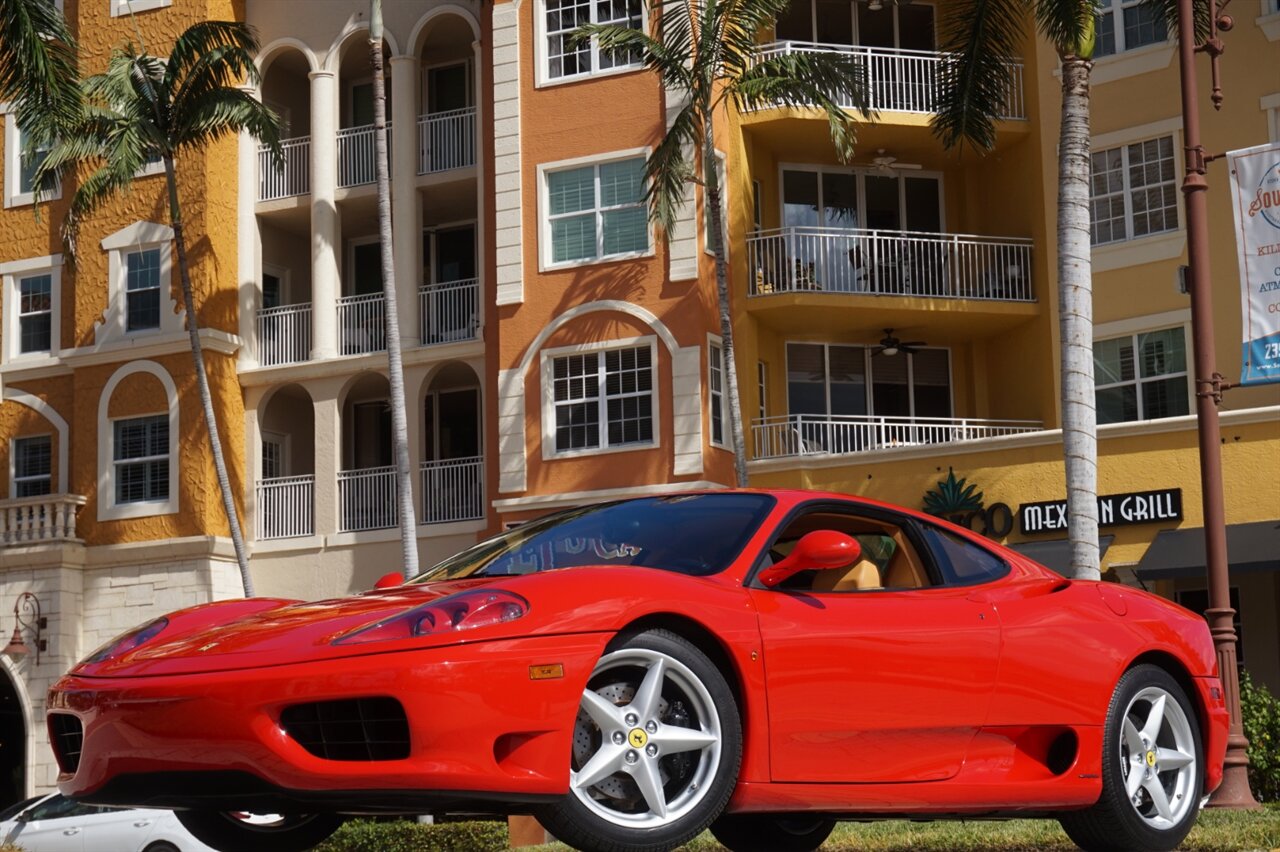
21,166
32,466
35,313
603,400
142,289
1133,191
568,57
141,459
1127,25
30,306
596,211
1141,376
129,7
140,272
715,384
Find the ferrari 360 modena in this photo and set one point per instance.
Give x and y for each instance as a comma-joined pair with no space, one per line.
762,664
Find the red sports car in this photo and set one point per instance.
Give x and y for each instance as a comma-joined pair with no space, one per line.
763,663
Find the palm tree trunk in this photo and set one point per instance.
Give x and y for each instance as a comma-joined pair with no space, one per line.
202,381
395,365
711,177
1075,310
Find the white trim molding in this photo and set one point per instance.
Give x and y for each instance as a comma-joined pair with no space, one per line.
10,337
1269,20
682,240
546,263
508,223
140,236
1133,252
108,510
129,7
1131,63
60,426
1270,104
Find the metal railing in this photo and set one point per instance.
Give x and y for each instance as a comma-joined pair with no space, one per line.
818,434
355,155
285,507
901,80
294,175
362,326
367,499
449,311
446,140
453,490
900,263
36,520
284,334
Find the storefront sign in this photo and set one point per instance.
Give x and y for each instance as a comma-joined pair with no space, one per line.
960,502
1255,195
1114,510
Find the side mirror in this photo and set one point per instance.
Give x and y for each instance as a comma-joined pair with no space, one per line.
389,581
820,550
25,816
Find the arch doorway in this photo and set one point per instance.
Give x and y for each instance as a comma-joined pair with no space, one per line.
13,744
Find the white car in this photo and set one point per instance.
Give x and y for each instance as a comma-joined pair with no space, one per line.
55,823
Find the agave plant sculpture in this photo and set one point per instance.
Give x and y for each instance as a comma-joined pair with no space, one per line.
953,498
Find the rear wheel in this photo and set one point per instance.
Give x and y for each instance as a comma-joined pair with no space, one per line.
772,832
241,832
656,749
1151,769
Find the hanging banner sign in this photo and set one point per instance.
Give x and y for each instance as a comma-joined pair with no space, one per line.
1255,196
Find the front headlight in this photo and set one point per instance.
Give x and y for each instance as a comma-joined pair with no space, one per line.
463,611
126,642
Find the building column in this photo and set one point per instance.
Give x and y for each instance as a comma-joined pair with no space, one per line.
252,459
247,266
406,233
328,450
326,225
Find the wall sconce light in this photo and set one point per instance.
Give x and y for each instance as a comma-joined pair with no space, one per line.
28,604
875,5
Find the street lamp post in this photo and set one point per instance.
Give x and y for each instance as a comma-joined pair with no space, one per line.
1234,792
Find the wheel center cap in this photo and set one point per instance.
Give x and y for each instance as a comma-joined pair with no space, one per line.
1151,759
638,738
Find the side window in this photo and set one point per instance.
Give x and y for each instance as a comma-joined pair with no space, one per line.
60,807
962,562
888,559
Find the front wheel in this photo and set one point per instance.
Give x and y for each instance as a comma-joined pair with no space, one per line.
1151,769
240,832
656,749
772,832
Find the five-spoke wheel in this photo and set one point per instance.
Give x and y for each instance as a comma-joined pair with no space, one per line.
656,748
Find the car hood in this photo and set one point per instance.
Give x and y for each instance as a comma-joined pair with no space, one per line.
279,635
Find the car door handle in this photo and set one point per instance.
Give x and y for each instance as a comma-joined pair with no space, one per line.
70,831
142,823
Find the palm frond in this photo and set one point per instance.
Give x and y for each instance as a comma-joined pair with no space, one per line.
1167,11
669,168
38,67
1069,25
656,55
979,38
224,111
233,43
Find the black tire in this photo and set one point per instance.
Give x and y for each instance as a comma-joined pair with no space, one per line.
772,832
657,710
1130,818
162,846
229,832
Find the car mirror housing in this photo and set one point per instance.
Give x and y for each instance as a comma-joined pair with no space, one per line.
820,550
389,581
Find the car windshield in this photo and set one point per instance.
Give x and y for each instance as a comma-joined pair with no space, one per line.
698,534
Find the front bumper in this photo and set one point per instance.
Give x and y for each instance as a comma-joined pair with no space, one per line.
481,730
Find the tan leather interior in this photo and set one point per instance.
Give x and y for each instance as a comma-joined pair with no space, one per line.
904,570
858,577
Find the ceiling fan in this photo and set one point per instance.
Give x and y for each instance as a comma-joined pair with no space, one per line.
887,163
891,345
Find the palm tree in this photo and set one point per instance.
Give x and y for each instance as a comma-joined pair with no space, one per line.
38,67
391,313
706,52
143,108
980,38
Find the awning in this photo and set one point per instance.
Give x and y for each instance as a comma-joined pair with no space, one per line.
1056,554
1180,553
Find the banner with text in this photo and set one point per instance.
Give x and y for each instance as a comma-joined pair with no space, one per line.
1255,195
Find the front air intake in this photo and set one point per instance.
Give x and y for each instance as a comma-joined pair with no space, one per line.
350,729
66,735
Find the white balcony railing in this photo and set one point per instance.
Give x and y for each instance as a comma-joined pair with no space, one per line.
39,520
449,311
446,140
900,263
453,490
367,499
293,177
817,434
362,326
284,334
286,507
355,155
901,80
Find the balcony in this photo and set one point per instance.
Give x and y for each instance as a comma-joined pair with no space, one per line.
453,490
285,507
819,434
355,155
362,325
449,312
900,80
889,263
29,521
367,499
284,334
294,175
446,140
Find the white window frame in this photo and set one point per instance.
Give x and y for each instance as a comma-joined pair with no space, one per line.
1146,325
542,59
140,236
717,398
128,7
10,274
545,262
285,441
108,508
13,463
1270,104
548,358
1117,9
1128,189
13,166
